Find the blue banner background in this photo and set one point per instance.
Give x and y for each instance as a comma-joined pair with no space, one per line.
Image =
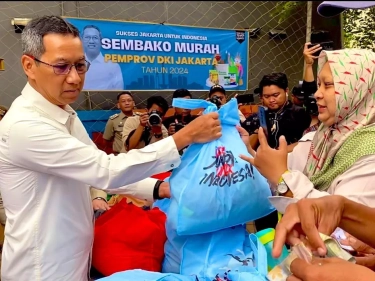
194,71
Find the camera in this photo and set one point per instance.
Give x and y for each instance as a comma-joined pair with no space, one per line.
251,124
216,100
154,118
308,99
178,126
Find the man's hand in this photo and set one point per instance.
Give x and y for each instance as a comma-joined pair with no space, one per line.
202,129
143,118
307,218
308,53
361,248
164,190
329,269
172,129
99,204
271,163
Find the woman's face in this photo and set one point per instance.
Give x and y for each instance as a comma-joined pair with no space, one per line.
325,96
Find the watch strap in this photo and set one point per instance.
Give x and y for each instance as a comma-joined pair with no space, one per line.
99,198
156,190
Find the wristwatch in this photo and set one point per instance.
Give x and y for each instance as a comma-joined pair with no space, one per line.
282,188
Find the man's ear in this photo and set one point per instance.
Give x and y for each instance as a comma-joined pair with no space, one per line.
118,105
28,65
287,92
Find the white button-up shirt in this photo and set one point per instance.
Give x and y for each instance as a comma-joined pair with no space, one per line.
103,75
47,163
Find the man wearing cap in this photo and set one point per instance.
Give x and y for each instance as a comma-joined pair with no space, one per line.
217,92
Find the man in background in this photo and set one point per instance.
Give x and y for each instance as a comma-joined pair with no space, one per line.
102,75
146,128
115,125
218,93
283,117
181,116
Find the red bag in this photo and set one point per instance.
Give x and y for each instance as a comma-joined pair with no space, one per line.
162,176
128,237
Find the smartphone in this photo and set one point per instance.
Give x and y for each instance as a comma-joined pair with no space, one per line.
328,46
245,99
262,115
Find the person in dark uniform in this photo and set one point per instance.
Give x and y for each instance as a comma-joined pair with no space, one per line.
115,124
284,119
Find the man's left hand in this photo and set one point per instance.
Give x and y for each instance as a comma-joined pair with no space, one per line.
164,190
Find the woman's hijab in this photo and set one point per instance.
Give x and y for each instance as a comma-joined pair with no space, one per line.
336,148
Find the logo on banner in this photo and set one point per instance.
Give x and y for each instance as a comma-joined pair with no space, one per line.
240,36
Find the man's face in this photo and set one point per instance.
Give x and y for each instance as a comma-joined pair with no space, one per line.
182,111
274,97
59,89
157,108
125,103
297,101
91,41
221,96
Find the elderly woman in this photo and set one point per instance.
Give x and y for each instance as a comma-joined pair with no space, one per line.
339,158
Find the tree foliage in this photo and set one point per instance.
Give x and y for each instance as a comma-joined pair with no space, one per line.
285,9
359,29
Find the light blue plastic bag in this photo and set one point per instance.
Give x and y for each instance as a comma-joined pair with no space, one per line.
229,252
213,188
142,275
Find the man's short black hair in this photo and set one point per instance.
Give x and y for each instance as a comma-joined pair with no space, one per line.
216,88
124,93
181,93
158,100
278,79
91,26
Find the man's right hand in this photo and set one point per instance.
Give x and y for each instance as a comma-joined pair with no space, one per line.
202,129
308,218
143,118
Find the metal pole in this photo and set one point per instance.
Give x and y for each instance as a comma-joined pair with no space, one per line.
308,28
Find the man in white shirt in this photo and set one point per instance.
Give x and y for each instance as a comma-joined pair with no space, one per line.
48,162
102,75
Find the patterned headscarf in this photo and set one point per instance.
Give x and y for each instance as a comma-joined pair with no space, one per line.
335,149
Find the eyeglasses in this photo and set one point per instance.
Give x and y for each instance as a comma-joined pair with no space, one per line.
64,68
88,38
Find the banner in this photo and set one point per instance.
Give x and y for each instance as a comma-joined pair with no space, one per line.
146,56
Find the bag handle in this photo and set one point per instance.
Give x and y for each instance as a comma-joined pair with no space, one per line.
194,104
260,254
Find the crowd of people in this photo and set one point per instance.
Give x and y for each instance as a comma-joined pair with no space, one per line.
317,156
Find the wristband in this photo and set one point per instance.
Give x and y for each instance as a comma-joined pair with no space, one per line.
156,190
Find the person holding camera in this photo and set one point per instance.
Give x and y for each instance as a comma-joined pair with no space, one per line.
181,116
217,95
309,86
146,128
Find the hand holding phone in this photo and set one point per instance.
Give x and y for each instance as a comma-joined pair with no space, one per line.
262,115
